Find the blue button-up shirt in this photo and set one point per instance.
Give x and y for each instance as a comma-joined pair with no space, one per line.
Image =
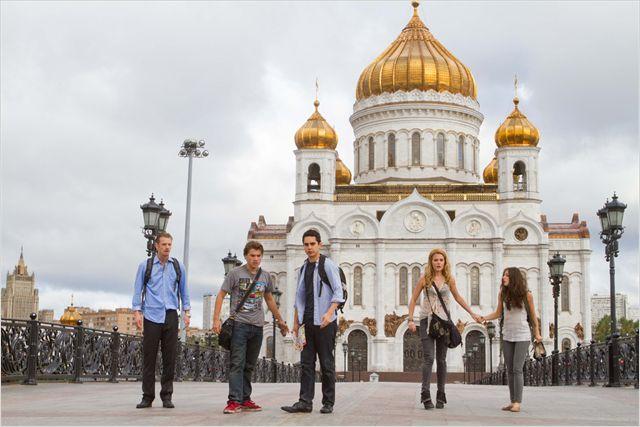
329,295
162,291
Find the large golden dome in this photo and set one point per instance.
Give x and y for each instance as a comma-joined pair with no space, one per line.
490,174
316,132
343,174
517,130
416,60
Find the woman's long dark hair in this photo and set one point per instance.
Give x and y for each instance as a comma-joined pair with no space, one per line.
514,294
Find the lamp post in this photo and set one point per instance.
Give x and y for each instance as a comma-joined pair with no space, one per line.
475,360
482,353
611,216
352,353
556,268
155,218
345,350
229,262
276,295
491,332
469,356
464,368
359,367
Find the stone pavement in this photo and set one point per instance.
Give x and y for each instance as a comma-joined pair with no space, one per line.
357,404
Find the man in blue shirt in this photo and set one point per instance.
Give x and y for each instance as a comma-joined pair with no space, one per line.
156,305
315,308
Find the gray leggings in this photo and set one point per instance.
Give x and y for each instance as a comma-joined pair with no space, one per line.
431,347
514,354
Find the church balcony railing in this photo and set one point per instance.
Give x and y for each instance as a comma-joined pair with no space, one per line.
35,351
583,365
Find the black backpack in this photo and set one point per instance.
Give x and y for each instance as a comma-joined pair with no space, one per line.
147,277
325,279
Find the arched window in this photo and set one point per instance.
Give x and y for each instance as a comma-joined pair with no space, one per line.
269,349
372,154
415,278
404,290
566,344
391,150
475,286
357,286
461,152
415,149
440,149
313,178
564,293
519,177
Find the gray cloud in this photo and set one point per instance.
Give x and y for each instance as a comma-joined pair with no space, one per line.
97,97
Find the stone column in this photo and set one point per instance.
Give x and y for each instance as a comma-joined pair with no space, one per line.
498,251
378,344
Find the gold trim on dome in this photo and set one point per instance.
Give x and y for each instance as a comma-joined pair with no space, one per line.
416,60
490,173
316,133
343,174
517,130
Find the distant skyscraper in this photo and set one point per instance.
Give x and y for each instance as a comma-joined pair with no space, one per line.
46,315
207,311
20,296
633,313
601,306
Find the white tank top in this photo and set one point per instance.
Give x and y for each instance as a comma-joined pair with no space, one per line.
516,327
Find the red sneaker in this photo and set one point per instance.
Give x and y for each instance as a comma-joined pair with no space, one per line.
250,405
232,408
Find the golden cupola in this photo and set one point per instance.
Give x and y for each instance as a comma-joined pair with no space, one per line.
316,133
517,130
71,315
490,173
343,174
416,60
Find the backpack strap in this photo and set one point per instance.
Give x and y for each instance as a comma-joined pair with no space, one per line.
147,277
176,285
323,274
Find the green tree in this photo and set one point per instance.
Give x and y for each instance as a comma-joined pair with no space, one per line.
628,326
603,328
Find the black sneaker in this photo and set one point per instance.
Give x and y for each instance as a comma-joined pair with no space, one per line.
428,404
297,407
168,404
144,403
326,409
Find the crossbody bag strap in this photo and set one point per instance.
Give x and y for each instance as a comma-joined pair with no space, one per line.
529,318
246,294
444,306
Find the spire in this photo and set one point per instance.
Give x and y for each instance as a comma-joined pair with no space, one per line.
21,268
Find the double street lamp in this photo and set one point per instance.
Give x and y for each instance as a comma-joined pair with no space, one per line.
276,295
155,217
611,216
345,350
230,262
464,368
491,332
556,271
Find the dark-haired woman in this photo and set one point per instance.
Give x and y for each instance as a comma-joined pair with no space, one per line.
515,298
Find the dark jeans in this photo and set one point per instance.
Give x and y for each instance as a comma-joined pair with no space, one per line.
428,346
320,342
245,348
153,335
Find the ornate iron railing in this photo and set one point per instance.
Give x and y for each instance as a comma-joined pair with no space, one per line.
583,365
33,350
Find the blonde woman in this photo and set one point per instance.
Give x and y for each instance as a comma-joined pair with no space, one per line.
437,274
518,303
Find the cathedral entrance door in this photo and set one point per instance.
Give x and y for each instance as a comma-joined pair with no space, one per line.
412,351
477,363
358,355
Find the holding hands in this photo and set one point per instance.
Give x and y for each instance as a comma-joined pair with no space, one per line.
412,325
478,318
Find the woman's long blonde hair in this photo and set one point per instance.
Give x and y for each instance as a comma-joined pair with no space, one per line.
429,272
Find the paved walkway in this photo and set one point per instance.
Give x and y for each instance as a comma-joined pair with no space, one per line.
357,404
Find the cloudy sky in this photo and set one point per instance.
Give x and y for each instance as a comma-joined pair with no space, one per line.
97,97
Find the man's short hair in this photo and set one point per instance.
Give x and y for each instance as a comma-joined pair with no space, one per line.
311,233
163,234
252,244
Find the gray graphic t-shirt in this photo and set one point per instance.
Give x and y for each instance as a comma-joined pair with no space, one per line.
236,283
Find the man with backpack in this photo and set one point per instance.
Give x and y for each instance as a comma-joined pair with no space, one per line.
160,287
319,294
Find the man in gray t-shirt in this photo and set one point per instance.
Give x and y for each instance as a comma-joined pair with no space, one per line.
246,338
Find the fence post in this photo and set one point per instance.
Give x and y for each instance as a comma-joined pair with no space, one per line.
115,355
592,365
32,355
567,367
78,361
637,361
579,364
196,376
178,374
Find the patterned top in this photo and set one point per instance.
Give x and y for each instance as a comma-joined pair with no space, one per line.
431,300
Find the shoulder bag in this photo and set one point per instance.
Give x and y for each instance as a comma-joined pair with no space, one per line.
226,331
439,327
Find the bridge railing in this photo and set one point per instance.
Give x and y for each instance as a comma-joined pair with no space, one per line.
583,365
34,350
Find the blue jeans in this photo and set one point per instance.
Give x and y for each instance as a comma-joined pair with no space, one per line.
245,348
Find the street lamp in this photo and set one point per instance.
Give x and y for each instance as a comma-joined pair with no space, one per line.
359,367
352,353
155,218
482,352
230,262
491,332
276,295
611,216
469,356
556,268
464,368
475,360
345,350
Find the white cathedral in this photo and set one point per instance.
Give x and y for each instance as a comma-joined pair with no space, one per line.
417,186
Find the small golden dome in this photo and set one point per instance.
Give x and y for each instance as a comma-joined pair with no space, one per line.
416,60
517,130
70,316
343,174
316,132
490,174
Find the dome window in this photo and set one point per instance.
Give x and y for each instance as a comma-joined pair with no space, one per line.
461,152
519,177
440,149
391,150
313,178
372,154
415,149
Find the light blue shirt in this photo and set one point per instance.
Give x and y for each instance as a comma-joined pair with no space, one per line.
162,291
329,294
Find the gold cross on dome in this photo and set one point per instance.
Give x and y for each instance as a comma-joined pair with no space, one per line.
515,84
